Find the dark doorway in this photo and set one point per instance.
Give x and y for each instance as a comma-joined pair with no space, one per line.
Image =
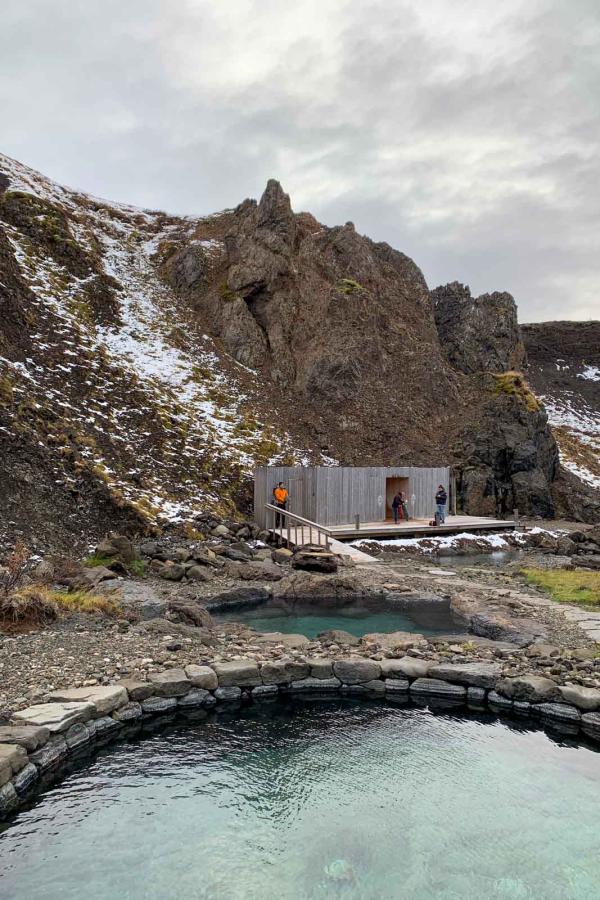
394,486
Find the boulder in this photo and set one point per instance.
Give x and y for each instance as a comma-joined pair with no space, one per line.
498,701
106,729
28,736
202,677
356,671
476,697
104,698
117,545
220,531
51,755
474,674
172,683
24,780
534,688
539,651
78,736
396,685
9,800
12,759
200,573
131,712
194,699
240,598
237,673
281,555
265,692
56,717
337,636
582,697
137,690
394,640
314,560
172,572
260,571
189,613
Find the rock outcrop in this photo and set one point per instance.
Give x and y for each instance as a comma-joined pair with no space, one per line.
478,334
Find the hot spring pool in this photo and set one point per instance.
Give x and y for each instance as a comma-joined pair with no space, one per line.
362,802
427,618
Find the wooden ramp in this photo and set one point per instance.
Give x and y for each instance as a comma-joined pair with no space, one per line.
301,536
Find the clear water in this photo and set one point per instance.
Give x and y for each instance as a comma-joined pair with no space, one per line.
335,801
428,619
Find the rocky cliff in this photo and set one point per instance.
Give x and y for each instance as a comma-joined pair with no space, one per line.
149,362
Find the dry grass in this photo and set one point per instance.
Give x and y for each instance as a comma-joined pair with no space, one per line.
567,585
36,605
515,385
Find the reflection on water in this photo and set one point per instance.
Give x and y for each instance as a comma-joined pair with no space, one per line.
335,801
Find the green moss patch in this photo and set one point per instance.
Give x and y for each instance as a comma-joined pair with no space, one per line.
349,286
567,585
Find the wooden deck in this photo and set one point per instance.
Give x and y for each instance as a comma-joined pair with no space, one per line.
420,528
340,534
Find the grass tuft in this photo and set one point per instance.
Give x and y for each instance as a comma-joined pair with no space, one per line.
567,585
349,286
515,385
91,562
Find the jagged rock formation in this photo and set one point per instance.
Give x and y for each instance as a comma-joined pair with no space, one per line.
153,361
478,334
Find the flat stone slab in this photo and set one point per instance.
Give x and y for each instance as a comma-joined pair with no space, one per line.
265,691
483,675
436,688
290,641
581,697
316,685
172,683
590,723
131,712
29,736
202,677
137,690
194,699
238,673
396,685
393,640
228,694
105,698
284,671
159,706
499,701
406,667
51,754
559,712
356,671
56,717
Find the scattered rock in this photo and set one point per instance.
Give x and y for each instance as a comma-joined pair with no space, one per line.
172,683
483,675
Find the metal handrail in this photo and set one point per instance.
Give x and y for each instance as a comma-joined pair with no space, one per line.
293,520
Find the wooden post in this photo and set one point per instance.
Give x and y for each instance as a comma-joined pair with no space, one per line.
357,522
516,516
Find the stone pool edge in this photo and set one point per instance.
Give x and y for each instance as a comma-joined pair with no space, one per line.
42,738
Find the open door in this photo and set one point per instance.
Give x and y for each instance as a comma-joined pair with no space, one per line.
392,487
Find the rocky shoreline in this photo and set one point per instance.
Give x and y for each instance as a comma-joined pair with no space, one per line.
41,739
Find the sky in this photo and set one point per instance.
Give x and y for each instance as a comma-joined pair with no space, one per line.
465,133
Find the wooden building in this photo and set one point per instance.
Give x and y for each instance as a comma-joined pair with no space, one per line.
336,495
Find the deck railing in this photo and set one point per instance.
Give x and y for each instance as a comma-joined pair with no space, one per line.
289,524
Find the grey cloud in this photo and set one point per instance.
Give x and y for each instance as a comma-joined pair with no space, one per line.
465,136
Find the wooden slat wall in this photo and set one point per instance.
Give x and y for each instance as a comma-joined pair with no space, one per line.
334,495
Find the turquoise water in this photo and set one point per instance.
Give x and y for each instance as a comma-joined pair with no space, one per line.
434,620
352,802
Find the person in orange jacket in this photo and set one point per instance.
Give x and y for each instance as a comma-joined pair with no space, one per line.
280,496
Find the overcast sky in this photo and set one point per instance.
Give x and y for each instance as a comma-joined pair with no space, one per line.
464,133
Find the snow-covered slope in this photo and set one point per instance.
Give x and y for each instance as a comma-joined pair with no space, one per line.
114,377
564,370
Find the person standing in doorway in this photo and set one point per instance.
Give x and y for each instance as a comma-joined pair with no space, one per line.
405,514
396,507
441,498
280,496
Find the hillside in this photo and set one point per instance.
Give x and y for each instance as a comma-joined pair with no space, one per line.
148,362
564,370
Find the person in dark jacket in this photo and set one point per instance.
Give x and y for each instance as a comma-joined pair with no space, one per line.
396,505
441,498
